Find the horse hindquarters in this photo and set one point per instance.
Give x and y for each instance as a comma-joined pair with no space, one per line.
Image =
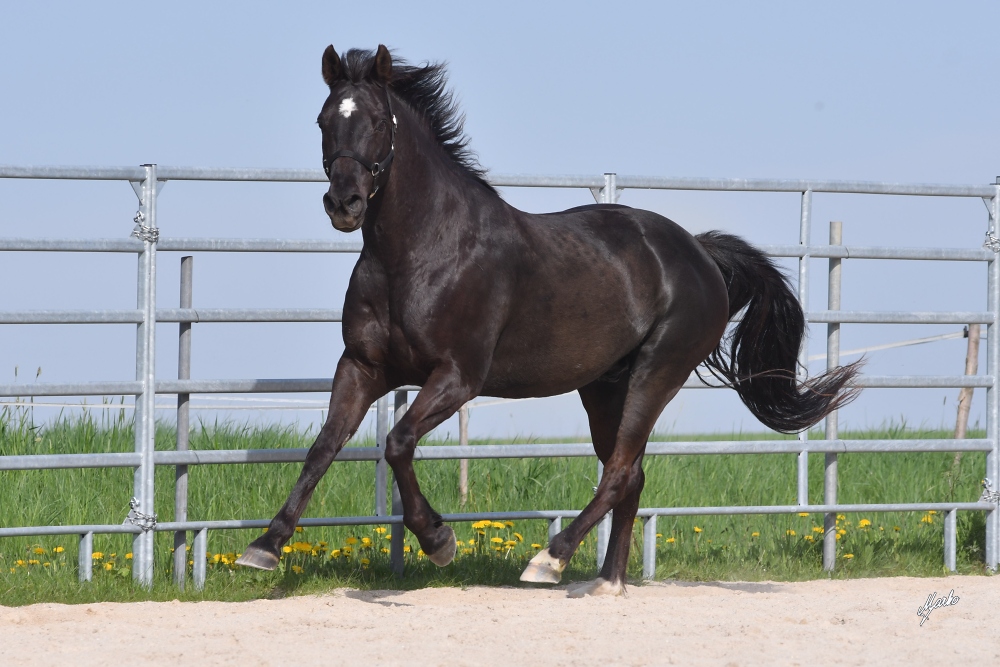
762,353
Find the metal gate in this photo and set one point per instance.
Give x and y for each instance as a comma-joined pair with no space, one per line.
141,522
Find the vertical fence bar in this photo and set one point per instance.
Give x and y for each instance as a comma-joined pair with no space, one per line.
183,424
950,538
398,530
993,391
832,361
381,467
145,424
649,548
609,195
805,219
199,554
85,557
463,464
555,527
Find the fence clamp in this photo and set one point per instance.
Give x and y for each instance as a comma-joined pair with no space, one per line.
146,522
989,495
152,234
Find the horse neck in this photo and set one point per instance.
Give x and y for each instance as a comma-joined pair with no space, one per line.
424,196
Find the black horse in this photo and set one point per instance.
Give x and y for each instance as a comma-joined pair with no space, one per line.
464,295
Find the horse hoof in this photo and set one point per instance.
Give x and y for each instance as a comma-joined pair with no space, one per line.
446,553
544,568
258,558
599,586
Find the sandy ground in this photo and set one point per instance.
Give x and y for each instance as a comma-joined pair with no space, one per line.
859,622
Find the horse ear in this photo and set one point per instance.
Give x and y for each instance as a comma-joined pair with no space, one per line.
333,71
382,69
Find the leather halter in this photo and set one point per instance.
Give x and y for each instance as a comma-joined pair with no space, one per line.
376,169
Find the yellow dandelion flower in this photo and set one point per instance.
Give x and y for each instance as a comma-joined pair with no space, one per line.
20,563
302,547
13,569
481,524
671,540
34,561
819,529
790,533
697,529
896,528
385,550
466,551
839,535
215,559
406,549
498,525
347,551
380,530
314,553
299,529
297,569
97,555
322,544
459,543
471,543
108,566
46,564
807,538
927,518
481,533
519,537
841,517
58,550
264,530
536,545
351,540
286,549
510,544
366,542
754,534
38,550
803,513
497,548
932,511
128,556
335,553
848,556
113,556
496,540
190,562
864,523
420,553
659,535
388,536
508,524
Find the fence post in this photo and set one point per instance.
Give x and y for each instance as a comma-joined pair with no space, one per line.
381,467
398,530
145,418
805,219
965,394
199,554
993,391
183,424
85,557
609,195
950,538
832,361
649,548
463,464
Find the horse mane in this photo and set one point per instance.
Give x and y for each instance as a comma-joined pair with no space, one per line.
425,88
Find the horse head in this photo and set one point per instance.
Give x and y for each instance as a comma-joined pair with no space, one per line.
358,129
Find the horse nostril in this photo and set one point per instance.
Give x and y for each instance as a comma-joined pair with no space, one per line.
328,203
354,204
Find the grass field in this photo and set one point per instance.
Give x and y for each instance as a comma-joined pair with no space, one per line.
689,548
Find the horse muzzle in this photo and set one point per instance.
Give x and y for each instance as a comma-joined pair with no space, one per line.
346,214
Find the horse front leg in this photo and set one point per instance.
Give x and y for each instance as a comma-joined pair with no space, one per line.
355,387
441,396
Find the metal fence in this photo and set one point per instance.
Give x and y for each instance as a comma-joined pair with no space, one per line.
148,179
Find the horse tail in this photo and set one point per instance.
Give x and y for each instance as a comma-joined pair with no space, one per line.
758,356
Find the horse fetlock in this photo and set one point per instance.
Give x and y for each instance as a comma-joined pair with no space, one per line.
544,568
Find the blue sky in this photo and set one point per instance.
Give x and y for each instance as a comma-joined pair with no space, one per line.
898,92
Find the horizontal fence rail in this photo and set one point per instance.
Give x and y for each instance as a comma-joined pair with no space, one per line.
147,179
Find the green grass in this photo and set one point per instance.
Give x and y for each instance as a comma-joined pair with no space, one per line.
724,549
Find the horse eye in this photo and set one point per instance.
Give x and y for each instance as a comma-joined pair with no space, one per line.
380,127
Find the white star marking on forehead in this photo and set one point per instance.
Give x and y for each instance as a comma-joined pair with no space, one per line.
347,107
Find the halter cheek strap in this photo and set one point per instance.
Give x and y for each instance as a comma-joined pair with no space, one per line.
375,168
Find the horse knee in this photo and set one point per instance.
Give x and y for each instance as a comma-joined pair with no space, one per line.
398,448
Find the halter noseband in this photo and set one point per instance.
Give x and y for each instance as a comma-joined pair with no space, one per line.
375,168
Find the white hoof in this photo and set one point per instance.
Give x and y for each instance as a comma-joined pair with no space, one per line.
445,554
598,586
544,568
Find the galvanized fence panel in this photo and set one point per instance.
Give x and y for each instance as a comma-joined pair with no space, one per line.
146,181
